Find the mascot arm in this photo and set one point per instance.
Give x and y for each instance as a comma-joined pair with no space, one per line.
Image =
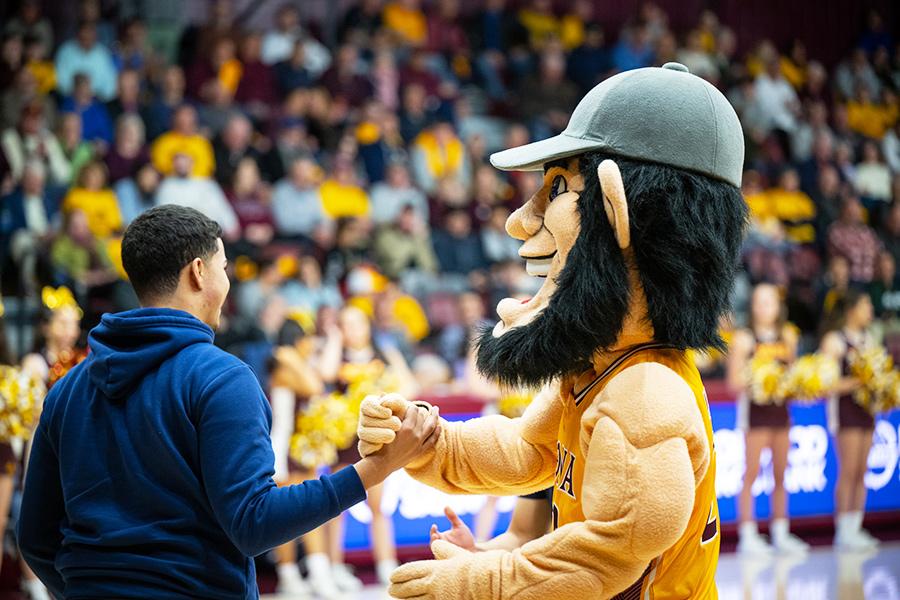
489,455
645,452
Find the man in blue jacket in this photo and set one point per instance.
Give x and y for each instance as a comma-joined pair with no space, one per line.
151,469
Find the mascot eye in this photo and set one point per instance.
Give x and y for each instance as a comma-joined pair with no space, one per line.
559,186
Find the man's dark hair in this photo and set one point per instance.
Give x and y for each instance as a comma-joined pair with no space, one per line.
686,233
159,243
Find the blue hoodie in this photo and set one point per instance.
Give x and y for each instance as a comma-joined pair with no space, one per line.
151,470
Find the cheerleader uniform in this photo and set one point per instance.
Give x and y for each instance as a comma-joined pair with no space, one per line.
844,410
772,416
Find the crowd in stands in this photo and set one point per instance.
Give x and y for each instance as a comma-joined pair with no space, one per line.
349,164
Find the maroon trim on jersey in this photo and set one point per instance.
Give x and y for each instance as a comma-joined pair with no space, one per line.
634,590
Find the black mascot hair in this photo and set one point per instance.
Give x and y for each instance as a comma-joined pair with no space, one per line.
686,233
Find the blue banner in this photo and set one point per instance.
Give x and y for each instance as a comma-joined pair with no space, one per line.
810,479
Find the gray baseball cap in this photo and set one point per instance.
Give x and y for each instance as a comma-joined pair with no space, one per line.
664,115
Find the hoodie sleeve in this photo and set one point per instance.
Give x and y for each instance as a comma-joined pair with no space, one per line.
237,463
38,530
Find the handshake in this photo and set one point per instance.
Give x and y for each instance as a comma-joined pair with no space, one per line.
387,443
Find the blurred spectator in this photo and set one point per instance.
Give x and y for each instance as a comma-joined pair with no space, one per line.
856,72
31,140
589,63
292,142
12,58
252,295
456,339
883,289
185,188
386,80
351,249
219,66
379,141
251,201
457,247
633,50
288,40
390,197
447,41
22,92
232,146
793,208
794,64
137,192
851,238
27,221
414,117
876,35
866,117
406,21
546,99
296,203
489,192
437,154
404,245
183,139
361,21
128,97
498,245
777,98
85,54
873,178
890,147
77,150
834,283
828,199
95,123
815,88
163,106
308,291
92,196
200,41
30,22
804,136
129,152
341,194
79,256
538,19
344,78
696,58
39,65
256,91
132,52
890,234
292,72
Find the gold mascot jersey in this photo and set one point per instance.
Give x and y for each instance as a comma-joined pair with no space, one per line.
688,568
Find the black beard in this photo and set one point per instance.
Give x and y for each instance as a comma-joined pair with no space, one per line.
584,314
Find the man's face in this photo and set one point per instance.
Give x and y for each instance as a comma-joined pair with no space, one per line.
216,286
548,224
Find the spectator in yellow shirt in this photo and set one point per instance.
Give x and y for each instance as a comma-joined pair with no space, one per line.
43,69
183,139
866,117
406,20
541,23
341,195
91,196
795,210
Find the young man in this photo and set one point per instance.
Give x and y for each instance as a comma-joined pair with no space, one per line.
151,469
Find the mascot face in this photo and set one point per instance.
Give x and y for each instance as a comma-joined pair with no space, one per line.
548,224
636,229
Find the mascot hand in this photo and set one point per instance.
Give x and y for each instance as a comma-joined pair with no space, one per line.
379,420
456,573
459,534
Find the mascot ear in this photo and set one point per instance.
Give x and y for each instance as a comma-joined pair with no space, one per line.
614,201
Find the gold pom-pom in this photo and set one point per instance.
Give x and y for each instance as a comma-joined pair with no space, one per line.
810,377
880,382
20,400
765,381
513,405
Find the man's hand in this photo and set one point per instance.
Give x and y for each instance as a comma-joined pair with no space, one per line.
459,534
418,432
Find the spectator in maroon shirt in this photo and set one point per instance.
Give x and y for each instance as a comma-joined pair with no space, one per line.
256,91
251,200
343,79
207,68
851,238
129,151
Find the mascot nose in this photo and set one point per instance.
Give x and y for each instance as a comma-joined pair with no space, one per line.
524,223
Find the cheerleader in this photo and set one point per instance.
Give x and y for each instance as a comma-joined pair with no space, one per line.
847,329
766,425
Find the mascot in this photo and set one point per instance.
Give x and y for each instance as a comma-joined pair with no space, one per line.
636,231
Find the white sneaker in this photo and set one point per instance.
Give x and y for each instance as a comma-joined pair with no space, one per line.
345,579
291,582
866,538
383,569
320,579
754,545
790,544
35,589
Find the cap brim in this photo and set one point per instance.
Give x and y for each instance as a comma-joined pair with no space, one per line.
533,156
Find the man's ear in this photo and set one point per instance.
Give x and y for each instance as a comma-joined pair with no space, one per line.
196,273
614,201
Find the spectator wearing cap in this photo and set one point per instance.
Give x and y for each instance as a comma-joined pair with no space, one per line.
341,194
437,154
403,245
851,238
296,203
167,100
183,139
85,54
288,40
31,140
406,21
185,188
92,196
129,152
95,123
396,192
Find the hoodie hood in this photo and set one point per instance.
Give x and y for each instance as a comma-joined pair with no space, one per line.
126,346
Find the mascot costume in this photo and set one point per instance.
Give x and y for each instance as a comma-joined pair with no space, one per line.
637,230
